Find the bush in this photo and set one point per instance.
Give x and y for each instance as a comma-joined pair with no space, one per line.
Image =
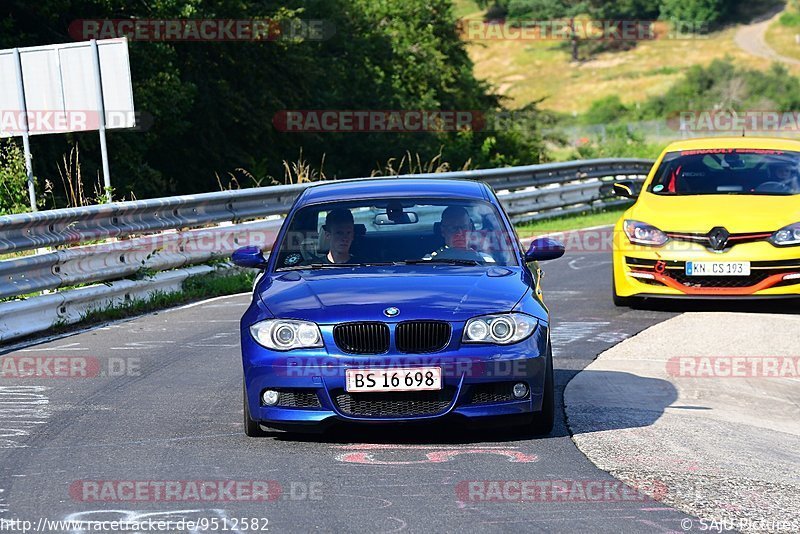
536,9
605,110
618,142
13,179
496,11
705,13
790,18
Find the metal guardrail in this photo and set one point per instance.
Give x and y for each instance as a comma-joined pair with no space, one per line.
160,239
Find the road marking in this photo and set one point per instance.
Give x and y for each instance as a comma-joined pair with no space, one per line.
580,263
93,520
434,454
21,408
68,346
143,345
571,331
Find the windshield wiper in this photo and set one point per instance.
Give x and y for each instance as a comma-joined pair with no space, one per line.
318,266
451,261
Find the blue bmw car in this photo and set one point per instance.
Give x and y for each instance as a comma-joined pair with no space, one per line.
397,300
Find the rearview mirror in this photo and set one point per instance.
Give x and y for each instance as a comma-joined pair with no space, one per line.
543,249
624,188
401,217
250,257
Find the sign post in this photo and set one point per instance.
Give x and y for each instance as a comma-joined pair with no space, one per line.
102,124
26,143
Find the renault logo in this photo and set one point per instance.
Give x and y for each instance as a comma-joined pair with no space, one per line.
391,312
718,238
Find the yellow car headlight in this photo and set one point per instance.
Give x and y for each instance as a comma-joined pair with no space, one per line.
640,233
787,236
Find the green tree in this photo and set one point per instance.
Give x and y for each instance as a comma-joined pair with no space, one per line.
213,103
705,13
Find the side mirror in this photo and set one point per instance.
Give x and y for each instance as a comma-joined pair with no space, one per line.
250,257
624,188
543,249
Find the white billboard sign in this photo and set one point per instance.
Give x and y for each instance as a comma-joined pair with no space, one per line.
62,88
61,91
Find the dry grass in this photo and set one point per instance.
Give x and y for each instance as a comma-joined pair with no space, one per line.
466,9
413,164
526,71
301,171
782,39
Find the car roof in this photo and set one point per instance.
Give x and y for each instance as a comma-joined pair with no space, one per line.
362,188
770,143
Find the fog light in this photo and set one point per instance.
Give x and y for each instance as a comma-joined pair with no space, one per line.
270,397
520,390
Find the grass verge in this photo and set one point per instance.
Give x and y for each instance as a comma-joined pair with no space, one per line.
194,288
783,37
587,219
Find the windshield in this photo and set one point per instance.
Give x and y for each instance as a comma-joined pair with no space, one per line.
389,231
732,171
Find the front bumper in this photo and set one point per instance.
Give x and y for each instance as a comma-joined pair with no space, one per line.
476,380
660,272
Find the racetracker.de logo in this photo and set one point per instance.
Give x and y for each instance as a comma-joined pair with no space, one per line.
175,491
199,30
737,122
392,121
16,367
734,366
581,30
559,491
50,121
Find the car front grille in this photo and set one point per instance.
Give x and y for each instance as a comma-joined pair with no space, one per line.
362,338
491,393
676,270
731,240
419,337
394,404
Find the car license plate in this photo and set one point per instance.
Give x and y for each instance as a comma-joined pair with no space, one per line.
717,268
394,379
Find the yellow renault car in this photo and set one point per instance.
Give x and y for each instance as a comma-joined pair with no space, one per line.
716,218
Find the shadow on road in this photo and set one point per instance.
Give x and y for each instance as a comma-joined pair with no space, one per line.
656,396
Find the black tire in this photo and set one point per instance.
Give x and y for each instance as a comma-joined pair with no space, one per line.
542,423
251,428
622,302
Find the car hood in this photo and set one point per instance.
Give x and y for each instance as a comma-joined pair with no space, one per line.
701,213
420,292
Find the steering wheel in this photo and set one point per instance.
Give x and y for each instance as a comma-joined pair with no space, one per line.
773,187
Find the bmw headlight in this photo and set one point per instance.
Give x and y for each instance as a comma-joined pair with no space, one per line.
286,334
640,233
501,329
787,236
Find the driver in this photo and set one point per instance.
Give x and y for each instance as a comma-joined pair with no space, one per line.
455,226
783,174
339,231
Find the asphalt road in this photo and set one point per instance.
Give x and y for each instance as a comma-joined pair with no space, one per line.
175,415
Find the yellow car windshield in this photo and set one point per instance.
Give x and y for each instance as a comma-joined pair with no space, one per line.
728,171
